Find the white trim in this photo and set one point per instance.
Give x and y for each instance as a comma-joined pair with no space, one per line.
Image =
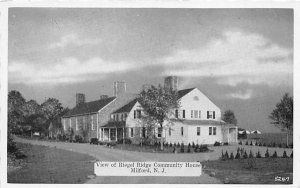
76,127
97,126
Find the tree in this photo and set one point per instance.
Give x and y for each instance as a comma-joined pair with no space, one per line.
15,109
282,115
52,110
229,117
158,104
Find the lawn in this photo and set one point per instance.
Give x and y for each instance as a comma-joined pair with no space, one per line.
264,172
51,165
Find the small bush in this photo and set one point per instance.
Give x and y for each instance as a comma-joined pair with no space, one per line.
246,143
231,156
226,156
267,155
260,144
274,145
11,145
274,155
94,141
256,143
78,139
182,148
196,148
240,142
251,144
222,156
258,155
203,148
189,148
264,144
279,145
251,154
171,145
284,154
225,144
193,145
174,149
238,155
217,143
178,145
245,156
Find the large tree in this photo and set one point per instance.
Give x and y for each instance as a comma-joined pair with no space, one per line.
282,115
15,111
159,104
229,117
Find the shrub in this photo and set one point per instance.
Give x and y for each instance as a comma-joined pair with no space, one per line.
167,144
274,144
189,148
94,141
258,155
238,155
174,149
171,145
226,156
203,148
222,156
217,143
182,148
78,139
267,155
178,145
256,143
196,148
251,154
225,144
231,156
279,145
240,142
260,144
246,143
193,145
251,144
264,145
274,154
245,156
11,145
284,154
291,156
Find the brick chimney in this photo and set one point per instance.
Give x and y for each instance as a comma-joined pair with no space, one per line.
80,98
171,82
119,88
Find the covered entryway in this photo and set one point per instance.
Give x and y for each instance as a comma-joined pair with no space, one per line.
112,131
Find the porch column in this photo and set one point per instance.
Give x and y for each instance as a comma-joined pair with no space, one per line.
123,135
116,134
109,134
236,134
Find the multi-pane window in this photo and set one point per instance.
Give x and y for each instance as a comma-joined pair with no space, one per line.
176,113
159,131
181,131
196,113
144,132
192,114
183,113
137,114
211,115
212,130
198,131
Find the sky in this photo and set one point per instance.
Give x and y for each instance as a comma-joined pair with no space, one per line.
242,59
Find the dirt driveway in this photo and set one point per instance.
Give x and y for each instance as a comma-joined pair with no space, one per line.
103,153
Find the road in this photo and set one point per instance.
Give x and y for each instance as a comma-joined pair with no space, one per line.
103,153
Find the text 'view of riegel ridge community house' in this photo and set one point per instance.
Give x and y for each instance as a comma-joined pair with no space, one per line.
197,120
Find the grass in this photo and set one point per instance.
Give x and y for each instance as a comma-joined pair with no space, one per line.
51,165
264,172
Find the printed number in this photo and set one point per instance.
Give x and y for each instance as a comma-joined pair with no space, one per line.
282,179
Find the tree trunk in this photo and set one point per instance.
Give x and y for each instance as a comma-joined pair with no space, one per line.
161,139
287,138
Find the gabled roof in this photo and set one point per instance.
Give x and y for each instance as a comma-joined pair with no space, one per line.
127,107
89,107
183,92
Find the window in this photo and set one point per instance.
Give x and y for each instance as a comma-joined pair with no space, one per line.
176,113
117,117
131,132
181,131
211,115
159,131
192,113
144,132
170,131
183,113
196,113
212,130
196,98
198,131
137,114
199,114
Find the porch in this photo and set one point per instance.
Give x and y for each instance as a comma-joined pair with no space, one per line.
112,131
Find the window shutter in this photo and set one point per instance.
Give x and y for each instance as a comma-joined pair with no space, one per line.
134,114
176,113
183,113
207,114
214,115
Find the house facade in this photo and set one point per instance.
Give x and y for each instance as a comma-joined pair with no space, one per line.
197,119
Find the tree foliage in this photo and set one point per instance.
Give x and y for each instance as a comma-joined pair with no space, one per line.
282,115
229,117
15,109
159,104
